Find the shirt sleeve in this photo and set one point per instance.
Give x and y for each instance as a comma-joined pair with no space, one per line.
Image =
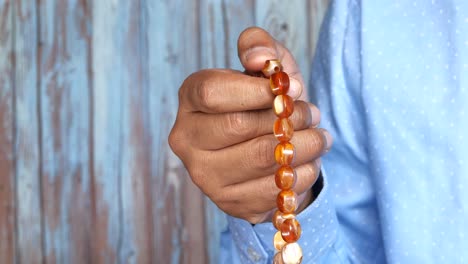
340,226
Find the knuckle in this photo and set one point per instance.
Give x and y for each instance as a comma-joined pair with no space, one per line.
175,140
187,85
224,199
261,153
199,166
206,94
182,90
239,124
316,142
228,204
198,89
204,174
199,177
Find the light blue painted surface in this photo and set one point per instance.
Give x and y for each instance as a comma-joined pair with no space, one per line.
7,172
96,181
28,207
64,133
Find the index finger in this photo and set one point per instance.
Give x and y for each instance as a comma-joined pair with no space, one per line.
223,91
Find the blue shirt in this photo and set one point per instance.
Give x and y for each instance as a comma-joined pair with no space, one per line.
391,80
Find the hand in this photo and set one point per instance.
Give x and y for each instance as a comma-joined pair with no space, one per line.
223,132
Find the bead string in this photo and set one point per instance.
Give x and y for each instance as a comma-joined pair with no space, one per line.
284,219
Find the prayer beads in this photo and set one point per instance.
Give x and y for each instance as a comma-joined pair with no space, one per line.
290,230
284,153
283,129
285,178
279,83
283,105
287,201
284,219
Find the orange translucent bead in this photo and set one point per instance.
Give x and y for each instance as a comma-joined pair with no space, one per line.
287,201
291,253
279,217
271,66
278,241
283,105
290,230
278,258
285,178
279,83
284,153
283,129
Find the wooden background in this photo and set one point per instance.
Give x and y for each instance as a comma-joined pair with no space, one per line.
88,95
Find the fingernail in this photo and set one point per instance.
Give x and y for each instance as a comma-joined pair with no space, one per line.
259,53
328,138
295,89
315,114
318,164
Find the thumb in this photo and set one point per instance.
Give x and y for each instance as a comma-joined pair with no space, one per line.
256,45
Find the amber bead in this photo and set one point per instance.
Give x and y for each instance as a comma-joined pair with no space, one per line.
287,201
271,66
278,241
283,105
285,178
284,153
279,83
283,129
291,253
278,258
290,230
279,217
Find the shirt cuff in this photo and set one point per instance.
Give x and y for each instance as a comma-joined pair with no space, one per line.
319,225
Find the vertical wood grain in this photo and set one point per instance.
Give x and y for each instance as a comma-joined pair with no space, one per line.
178,205
64,113
7,126
107,133
135,150
28,189
88,95
121,134
238,15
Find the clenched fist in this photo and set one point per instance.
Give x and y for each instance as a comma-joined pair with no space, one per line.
223,132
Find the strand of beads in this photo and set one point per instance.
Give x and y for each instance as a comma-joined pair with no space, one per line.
284,219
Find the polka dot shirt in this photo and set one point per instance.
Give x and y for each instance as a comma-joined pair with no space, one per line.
391,80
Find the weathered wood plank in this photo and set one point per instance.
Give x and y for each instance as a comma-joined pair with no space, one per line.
178,204
121,134
28,189
239,15
7,127
135,168
213,35
112,191
107,133
65,134
287,22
